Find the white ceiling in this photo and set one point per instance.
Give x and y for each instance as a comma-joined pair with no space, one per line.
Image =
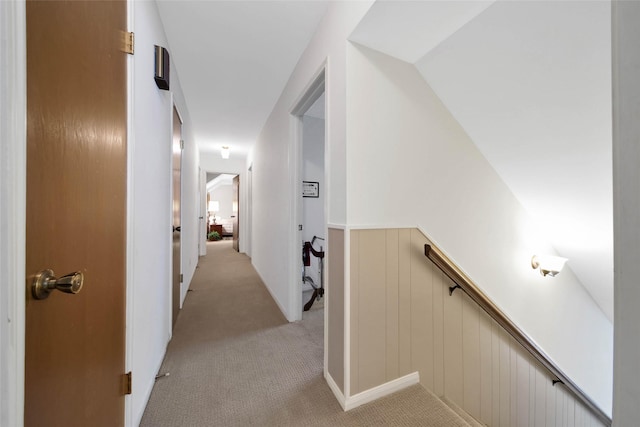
530,82
233,59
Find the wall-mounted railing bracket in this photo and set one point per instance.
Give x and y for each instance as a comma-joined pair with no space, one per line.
554,382
453,288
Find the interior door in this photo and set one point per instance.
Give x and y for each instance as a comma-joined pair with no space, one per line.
76,212
236,212
177,182
202,240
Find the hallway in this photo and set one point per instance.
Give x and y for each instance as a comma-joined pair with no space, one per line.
235,361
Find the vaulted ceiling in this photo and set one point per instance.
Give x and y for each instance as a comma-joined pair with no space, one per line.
530,83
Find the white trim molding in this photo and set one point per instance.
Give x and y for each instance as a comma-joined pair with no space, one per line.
337,226
13,168
382,390
335,389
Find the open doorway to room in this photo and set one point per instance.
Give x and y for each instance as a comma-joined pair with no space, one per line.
309,200
313,213
222,206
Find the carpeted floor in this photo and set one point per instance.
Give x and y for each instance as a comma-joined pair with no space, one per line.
234,360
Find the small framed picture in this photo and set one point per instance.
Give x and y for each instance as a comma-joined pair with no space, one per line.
310,189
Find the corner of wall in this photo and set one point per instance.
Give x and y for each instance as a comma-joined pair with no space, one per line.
336,391
375,393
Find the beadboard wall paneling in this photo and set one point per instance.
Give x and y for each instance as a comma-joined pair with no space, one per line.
335,306
403,319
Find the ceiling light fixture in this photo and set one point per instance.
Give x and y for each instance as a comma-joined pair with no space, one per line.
549,265
224,152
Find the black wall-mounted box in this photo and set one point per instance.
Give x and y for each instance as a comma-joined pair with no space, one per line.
162,68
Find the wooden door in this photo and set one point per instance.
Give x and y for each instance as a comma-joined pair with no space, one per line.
177,183
76,212
236,212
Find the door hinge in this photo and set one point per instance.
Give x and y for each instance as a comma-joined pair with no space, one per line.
181,278
182,144
127,383
127,42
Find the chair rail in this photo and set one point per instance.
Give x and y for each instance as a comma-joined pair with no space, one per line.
465,284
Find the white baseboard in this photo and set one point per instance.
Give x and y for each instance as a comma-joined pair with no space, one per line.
381,391
335,389
282,309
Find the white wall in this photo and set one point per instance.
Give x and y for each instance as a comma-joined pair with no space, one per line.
272,257
626,199
410,163
212,162
150,221
313,170
224,195
149,210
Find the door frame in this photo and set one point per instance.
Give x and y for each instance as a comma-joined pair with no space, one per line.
249,210
202,211
180,291
308,96
130,244
13,144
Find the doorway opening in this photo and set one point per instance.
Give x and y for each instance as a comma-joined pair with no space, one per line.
176,189
222,207
313,214
309,202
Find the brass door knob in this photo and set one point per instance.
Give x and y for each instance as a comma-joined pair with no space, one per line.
45,281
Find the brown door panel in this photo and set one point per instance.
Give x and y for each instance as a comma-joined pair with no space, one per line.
76,211
236,213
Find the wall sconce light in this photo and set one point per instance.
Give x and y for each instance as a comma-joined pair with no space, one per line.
213,207
224,152
548,264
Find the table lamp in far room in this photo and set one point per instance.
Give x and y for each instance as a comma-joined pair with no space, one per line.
214,206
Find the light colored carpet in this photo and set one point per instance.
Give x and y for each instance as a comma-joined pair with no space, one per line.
462,413
234,360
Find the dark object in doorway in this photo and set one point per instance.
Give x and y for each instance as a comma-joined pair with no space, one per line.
317,293
307,249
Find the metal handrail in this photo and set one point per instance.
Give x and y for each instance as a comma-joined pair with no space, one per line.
465,284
